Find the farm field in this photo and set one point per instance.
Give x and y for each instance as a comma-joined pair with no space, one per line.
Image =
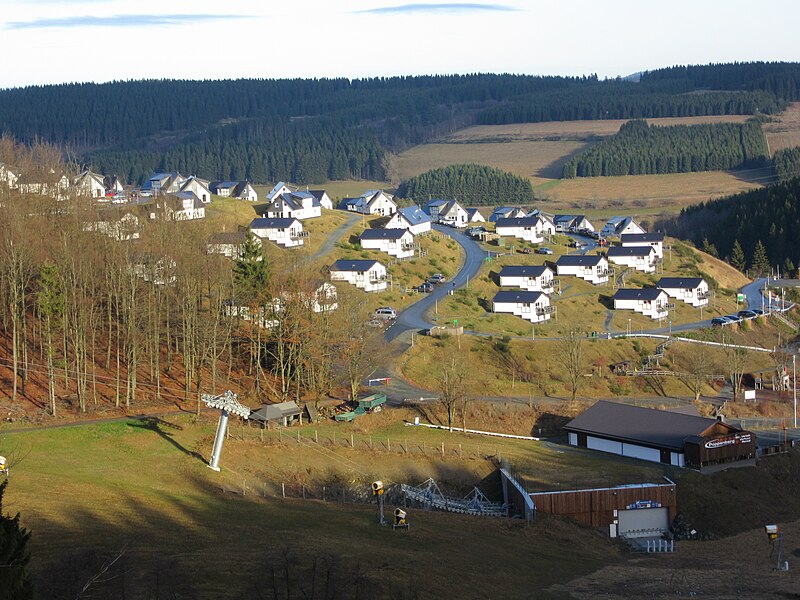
539,150
141,490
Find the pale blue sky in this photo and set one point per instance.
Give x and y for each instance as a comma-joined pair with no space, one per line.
55,41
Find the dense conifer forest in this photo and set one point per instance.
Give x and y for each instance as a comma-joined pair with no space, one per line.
310,130
768,216
787,163
640,149
468,184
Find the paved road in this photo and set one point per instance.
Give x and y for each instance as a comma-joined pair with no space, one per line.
413,318
335,236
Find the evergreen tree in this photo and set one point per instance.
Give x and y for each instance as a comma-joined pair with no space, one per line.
709,249
737,258
788,267
760,263
15,581
251,272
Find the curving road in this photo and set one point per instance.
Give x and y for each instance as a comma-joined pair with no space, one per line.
413,318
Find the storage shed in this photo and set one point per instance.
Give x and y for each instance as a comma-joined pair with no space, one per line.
661,436
284,413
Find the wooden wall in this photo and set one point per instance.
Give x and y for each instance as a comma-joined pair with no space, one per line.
596,507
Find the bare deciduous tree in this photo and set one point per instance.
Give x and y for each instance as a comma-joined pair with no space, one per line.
570,356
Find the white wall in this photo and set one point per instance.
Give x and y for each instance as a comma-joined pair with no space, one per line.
641,452
594,443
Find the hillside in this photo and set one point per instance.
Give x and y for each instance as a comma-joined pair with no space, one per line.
315,130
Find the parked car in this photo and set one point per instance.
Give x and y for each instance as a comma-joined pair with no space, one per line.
436,278
747,314
543,250
525,250
577,244
758,311
425,288
601,241
735,318
721,321
387,313
476,231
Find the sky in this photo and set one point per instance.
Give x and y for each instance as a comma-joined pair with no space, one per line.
60,41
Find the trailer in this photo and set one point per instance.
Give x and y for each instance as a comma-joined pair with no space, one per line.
373,403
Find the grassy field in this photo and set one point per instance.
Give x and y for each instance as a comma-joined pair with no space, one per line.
87,493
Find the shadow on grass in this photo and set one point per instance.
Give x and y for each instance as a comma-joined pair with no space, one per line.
161,427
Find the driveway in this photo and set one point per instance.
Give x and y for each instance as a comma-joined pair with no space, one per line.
413,317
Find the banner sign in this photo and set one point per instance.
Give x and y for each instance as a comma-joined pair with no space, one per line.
743,438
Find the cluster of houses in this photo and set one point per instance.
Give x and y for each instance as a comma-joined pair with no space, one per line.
654,302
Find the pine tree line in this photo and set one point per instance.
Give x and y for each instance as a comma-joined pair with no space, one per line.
639,148
470,184
736,226
787,163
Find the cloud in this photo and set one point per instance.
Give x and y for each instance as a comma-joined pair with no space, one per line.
458,7
119,21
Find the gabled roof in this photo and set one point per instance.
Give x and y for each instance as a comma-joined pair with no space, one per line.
318,194
622,251
271,412
353,265
524,271
517,222
451,206
384,234
266,223
520,297
644,425
221,185
277,187
414,215
564,218
645,294
642,237
684,283
579,260
503,211
471,212
228,237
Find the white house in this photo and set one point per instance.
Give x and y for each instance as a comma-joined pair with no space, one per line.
617,226
454,215
572,224
117,224
280,188
525,228
654,240
651,302
322,198
297,205
433,207
319,299
368,275
7,176
159,183
155,269
547,226
181,206
531,306
242,190
227,243
641,258
395,242
284,232
537,278
199,187
45,184
412,218
113,185
90,185
506,212
371,202
591,267
474,216
692,290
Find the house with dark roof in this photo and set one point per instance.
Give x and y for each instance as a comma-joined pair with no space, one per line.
572,224
692,290
371,202
117,223
529,229
591,267
368,275
227,243
322,198
662,436
395,242
296,205
618,226
506,212
89,185
641,258
284,232
199,187
412,218
159,183
453,215
651,302
242,190
532,278
474,215
531,306
654,240
432,208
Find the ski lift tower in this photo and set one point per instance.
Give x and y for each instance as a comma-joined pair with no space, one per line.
227,403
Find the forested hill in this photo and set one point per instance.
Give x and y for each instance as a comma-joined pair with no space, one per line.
468,184
768,216
311,130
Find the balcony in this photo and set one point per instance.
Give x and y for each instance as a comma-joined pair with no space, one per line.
297,235
545,310
703,295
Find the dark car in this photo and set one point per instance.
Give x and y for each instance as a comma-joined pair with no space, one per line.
721,321
757,311
735,318
525,250
577,244
747,314
425,288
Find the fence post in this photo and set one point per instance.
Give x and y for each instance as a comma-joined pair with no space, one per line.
323,493
388,445
304,492
352,441
442,449
283,489
316,437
